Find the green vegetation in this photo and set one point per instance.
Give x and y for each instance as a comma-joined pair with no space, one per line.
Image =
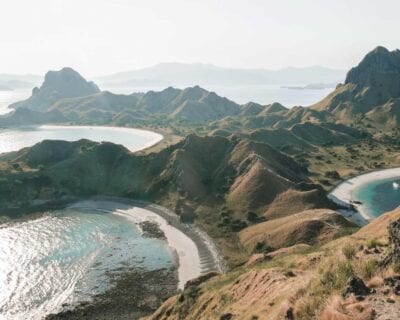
349,251
367,268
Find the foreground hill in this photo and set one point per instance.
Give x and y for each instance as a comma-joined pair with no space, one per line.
345,279
309,227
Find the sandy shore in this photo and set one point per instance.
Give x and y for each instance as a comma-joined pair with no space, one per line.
196,253
343,194
156,136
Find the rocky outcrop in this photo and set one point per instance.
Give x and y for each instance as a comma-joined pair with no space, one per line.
376,68
356,286
66,83
199,280
394,240
372,83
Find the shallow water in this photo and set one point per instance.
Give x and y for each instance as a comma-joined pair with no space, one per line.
132,139
63,256
379,196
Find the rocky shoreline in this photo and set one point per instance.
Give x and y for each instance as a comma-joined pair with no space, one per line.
136,292
133,294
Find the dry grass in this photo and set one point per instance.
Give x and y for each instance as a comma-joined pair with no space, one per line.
330,278
373,243
338,309
366,268
313,289
374,282
349,251
311,226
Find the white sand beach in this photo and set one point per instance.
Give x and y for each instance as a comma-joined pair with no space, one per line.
131,138
155,136
195,252
343,194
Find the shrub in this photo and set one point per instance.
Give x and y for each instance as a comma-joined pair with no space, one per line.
334,277
373,243
396,267
367,268
349,251
237,225
332,175
16,166
262,247
252,216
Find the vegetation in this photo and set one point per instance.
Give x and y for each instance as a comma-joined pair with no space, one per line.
254,177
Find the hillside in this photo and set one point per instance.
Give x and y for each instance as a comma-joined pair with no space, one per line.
344,279
254,177
214,181
309,227
372,83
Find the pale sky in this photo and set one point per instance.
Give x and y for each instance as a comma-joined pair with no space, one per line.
98,37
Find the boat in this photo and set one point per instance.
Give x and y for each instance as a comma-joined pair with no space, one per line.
395,185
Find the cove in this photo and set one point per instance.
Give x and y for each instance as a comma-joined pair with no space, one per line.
132,139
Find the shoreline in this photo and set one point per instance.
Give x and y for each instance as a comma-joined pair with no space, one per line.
156,137
194,251
343,194
188,261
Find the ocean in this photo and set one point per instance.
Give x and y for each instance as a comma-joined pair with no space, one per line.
67,256
379,196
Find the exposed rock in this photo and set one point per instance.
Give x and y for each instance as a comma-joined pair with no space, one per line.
151,229
356,286
289,314
371,84
378,62
199,280
66,83
394,240
226,316
390,300
394,283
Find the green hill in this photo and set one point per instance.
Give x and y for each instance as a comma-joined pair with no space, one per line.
215,181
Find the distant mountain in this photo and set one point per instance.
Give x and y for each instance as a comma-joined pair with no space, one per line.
193,104
14,81
4,87
66,83
181,74
370,88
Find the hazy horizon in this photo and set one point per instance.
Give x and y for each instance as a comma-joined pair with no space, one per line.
109,36
95,76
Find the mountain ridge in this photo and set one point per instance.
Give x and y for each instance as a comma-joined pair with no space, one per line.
190,74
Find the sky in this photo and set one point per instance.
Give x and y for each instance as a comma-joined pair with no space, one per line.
98,37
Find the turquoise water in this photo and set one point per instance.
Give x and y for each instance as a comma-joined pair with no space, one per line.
379,196
63,257
132,139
